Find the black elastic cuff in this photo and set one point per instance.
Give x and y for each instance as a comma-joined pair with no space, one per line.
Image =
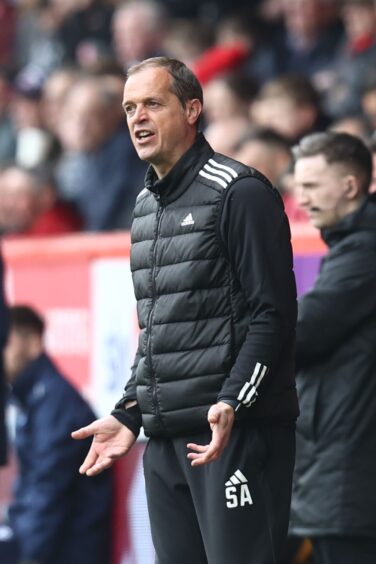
233,403
120,404
130,417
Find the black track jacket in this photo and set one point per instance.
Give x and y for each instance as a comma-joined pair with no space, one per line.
334,489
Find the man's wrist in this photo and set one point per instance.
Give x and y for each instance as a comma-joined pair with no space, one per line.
231,402
129,416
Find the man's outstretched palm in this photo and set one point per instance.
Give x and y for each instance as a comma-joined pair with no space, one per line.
111,440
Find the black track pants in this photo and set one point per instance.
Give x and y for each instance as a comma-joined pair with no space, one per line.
232,511
344,550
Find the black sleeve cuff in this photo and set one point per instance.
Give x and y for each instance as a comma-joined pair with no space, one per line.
130,417
233,403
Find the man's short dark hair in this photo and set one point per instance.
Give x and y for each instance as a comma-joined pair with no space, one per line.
339,148
25,318
185,84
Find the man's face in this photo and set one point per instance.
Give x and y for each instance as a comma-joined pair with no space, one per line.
161,129
134,33
269,160
283,115
84,123
18,201
16,354
321,190
301,16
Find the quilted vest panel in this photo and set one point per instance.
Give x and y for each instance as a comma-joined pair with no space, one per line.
187,302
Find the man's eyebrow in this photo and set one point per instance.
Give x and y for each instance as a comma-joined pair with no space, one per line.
144,100
126,102
309,183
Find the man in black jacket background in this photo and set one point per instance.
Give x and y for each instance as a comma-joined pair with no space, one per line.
334,492
213,379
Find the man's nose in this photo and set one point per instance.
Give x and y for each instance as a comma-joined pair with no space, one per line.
140,114
301,196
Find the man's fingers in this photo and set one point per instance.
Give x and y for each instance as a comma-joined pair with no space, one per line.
198,448
100,466
89,461
84,432
203,458
203,454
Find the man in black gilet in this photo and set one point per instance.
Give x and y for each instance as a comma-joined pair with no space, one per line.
213,379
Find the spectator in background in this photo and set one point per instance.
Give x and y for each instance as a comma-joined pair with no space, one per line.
36,39
29,204
224,135
138,31
58,32
372,148
334,493
368,100
98,171
310,38
270,153
86,25
354,124
232,51
55,90
18,201
267,151
355,58
244,27
34,143
7,25
188,40
56,516
290,105
3,337
228,96
7,130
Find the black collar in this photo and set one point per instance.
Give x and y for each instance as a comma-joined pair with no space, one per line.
171,186
362,219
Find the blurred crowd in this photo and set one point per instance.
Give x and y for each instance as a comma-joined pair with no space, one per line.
272,72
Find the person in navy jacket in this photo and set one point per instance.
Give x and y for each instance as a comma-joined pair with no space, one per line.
57,516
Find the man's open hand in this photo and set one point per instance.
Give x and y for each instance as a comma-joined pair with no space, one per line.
111,441
221,418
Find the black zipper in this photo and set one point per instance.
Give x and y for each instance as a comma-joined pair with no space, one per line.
159,216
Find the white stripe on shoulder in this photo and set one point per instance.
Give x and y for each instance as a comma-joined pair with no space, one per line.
217,172
143,192
215,178
230,170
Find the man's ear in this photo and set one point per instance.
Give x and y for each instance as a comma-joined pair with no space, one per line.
193,110
352,187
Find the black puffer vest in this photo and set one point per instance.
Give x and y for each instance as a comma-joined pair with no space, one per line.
192,315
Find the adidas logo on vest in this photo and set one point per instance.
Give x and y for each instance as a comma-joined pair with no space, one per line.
237,491
188,220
